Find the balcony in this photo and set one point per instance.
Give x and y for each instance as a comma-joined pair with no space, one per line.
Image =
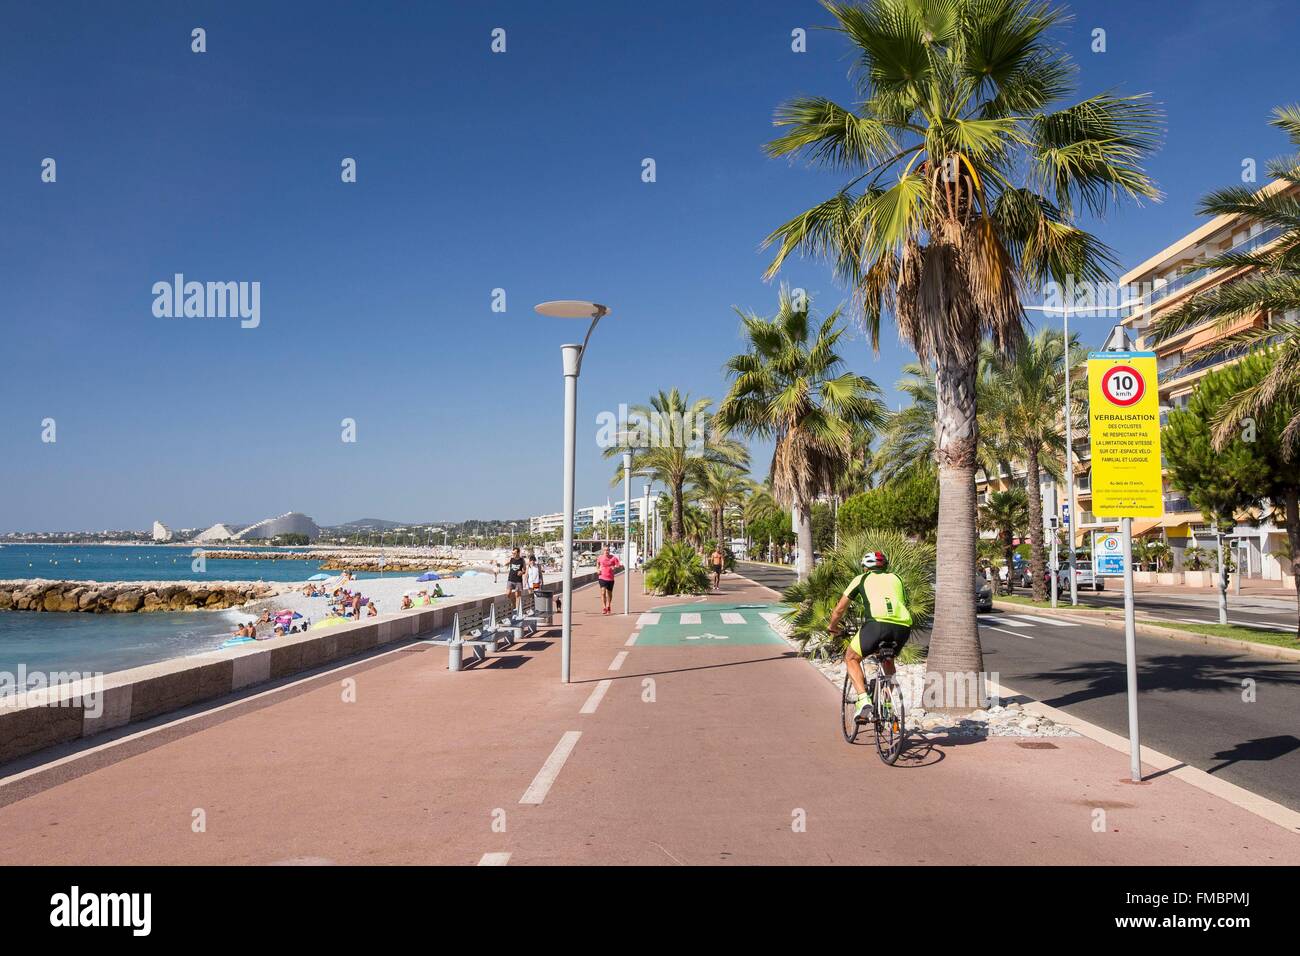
1182,281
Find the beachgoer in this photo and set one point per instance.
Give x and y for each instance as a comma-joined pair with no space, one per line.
374,611
406,602
534,575
515,577
606,565
716,559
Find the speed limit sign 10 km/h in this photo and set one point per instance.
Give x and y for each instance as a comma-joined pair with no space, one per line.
1124,414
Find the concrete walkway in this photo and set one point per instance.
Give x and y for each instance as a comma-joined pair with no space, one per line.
703,741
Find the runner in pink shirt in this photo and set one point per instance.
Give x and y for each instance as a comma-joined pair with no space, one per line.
606,565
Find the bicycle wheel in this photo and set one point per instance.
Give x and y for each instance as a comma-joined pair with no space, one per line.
891,723
848,703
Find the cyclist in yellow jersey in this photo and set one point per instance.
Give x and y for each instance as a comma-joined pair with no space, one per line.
886,620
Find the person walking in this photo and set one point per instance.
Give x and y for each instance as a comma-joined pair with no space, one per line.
716,561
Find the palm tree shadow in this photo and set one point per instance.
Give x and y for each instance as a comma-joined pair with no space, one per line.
1166,672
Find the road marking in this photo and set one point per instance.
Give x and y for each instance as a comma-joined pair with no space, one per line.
1009,621
1261,626
541,785
731,617
632,640
771,617
690,619
596,695
1028,637
1040,620
494,859
646,620
619,658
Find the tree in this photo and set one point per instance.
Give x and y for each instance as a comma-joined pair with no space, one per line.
908,505
789,386
1222,478
672,441
1007,514
1026,394
965,187
719,488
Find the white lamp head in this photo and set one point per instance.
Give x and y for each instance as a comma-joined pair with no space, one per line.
572,309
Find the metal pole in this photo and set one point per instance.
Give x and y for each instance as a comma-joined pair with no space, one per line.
1056,559
627,531
1223,576
571,355
1130,654
1069,460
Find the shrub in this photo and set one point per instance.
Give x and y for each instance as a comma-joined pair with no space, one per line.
811,602
677,569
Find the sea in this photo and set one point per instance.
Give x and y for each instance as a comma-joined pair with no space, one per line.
101,643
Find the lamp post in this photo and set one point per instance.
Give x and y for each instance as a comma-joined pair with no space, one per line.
571,356
627,530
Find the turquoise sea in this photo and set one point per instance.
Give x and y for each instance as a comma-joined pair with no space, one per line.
108,642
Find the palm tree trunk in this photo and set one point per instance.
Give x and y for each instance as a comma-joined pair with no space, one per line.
1037,553
1008,548
678,525
955,663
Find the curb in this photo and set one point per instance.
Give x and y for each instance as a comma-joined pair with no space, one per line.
1240,797
1106,619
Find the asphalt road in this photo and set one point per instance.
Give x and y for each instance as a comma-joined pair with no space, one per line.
1259,611
1190,701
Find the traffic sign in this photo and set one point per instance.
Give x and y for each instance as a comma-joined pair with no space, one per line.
1124,415
1108,554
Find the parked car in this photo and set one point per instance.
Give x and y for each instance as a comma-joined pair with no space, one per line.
983,594
1084,577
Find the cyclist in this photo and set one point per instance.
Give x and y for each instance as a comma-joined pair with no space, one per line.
886,620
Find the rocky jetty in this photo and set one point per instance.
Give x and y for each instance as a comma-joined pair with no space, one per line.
343,560
125,597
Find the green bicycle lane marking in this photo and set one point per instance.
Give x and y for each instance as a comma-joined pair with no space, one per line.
745,625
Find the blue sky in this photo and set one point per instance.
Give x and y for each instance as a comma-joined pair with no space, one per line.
476,171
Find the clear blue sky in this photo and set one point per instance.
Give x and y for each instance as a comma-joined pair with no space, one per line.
476,171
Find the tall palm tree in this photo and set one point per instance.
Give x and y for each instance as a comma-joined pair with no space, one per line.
789,386
673,441
1025,399
719,488
1006,513
965,182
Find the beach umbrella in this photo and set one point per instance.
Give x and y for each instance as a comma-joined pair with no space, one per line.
429,576
319,577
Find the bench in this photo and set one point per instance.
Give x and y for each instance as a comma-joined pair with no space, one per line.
513,621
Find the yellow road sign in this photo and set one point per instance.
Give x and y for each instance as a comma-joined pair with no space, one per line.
1124,414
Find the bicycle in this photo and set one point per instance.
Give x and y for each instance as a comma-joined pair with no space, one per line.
885,713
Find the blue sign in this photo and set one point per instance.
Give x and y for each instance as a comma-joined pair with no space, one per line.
1110,564
1065,515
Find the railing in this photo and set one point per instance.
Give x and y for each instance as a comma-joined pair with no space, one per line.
1195,275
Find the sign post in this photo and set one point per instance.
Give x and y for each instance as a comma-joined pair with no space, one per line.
1124,418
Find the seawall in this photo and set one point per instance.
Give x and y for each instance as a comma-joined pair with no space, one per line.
124,597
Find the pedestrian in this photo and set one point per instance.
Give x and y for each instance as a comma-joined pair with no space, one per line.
606,565
515,575
716,560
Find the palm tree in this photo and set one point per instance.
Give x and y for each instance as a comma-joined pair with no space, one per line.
673,440
719,488
1026,402
965,184
789,386
1006,513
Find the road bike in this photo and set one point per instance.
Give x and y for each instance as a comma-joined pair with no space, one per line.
885,713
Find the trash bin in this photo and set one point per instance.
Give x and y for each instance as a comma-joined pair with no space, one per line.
544,606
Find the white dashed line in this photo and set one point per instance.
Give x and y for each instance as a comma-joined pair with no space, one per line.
1028,637
690,618
731,617
632,640
646,620
619,658
594,700
1040,620
541,784
494,859
1010,622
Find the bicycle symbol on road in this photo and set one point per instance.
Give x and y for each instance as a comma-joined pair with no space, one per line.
706,637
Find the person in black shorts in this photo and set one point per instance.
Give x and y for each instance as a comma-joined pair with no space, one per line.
515,575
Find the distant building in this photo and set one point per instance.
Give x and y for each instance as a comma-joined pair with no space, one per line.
161,532
218,532
291,522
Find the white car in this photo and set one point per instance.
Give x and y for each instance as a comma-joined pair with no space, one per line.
1084,577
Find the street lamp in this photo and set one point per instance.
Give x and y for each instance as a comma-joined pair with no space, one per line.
572,356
